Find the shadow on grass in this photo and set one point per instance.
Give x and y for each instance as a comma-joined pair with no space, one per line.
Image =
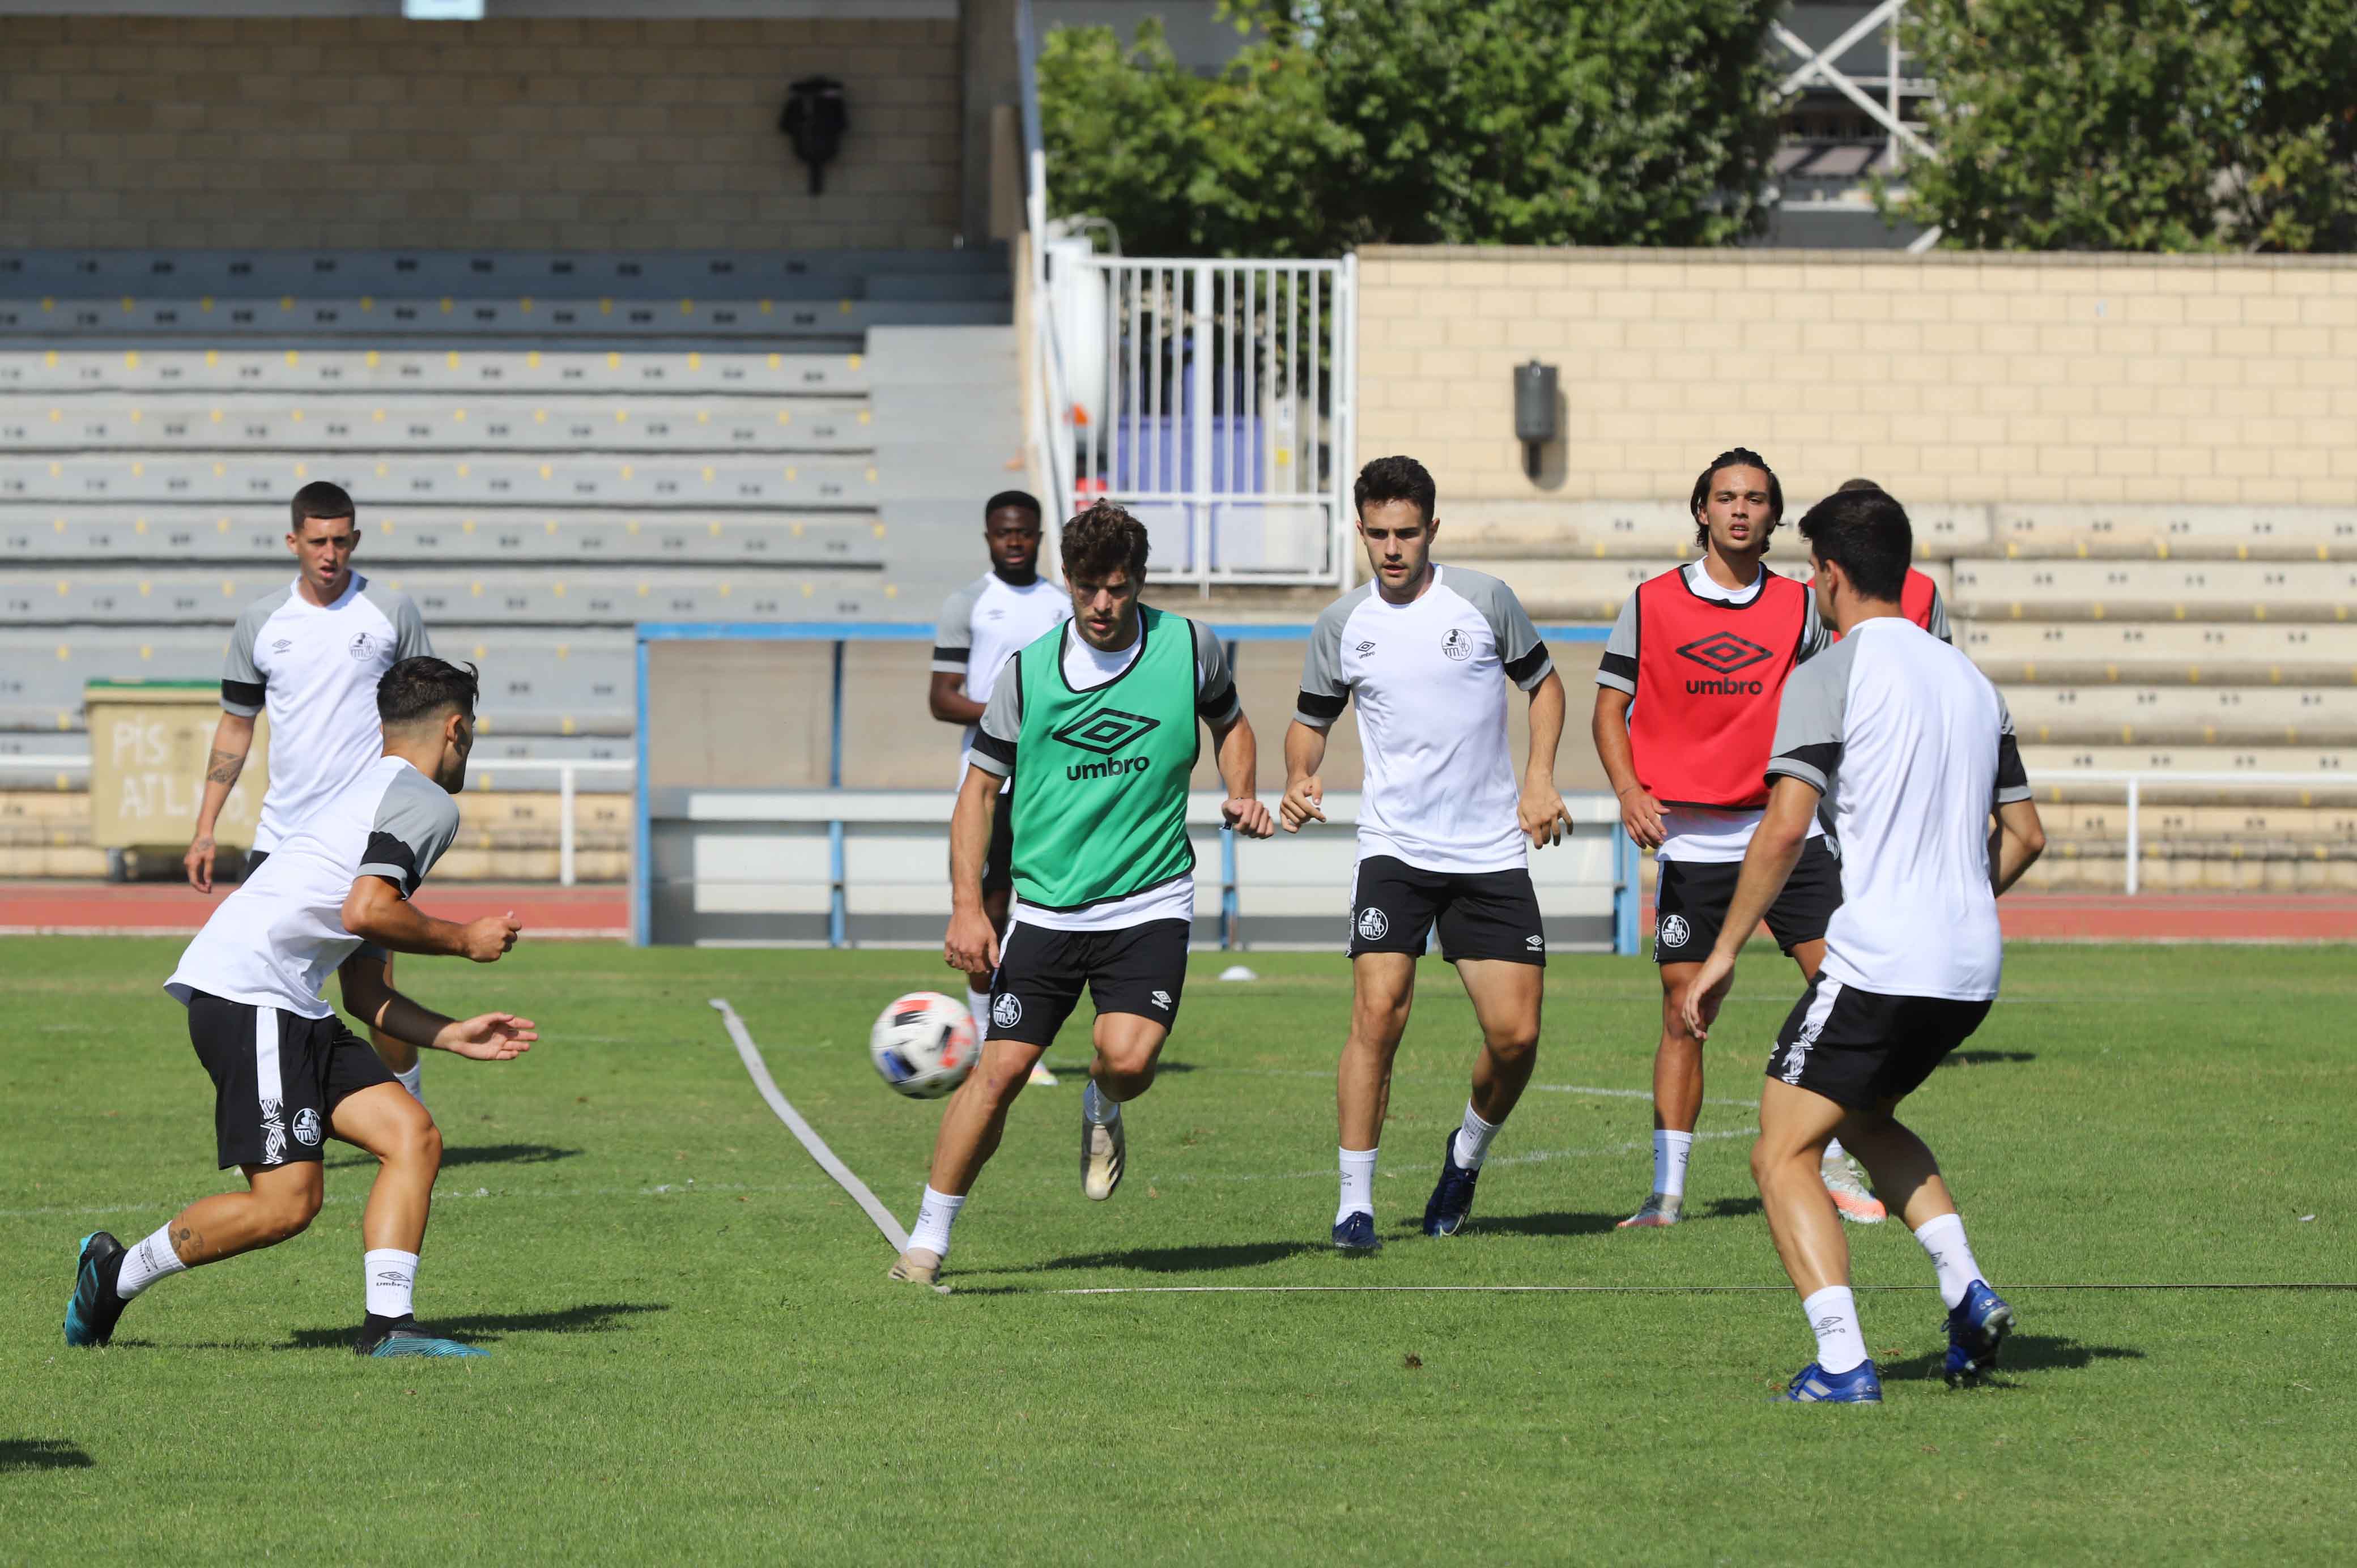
1565,1223
1176,1260
2022,1353
595,1317
1986,1058
42,1454
475,1155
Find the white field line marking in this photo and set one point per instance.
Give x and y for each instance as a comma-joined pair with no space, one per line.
544,933
751,1054
667,1190
1654,1290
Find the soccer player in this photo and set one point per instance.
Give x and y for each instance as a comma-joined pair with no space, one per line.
1920,600
1445,827
1910,750
287,1073
313,651
1094,724
1686,705
982,626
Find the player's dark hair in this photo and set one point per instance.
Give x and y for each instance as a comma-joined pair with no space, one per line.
1102,541
1867,533
1395,479
320,499
1025,500
422,688
1857,484
1736,457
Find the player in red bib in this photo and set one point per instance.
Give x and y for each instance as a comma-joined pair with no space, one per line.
1686,717
1919,600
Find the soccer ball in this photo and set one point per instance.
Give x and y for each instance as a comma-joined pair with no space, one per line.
923,1045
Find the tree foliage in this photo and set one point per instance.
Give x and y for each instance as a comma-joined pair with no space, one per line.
1466,122
2138,124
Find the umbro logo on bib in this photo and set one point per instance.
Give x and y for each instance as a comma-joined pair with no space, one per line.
1108,731
1724,651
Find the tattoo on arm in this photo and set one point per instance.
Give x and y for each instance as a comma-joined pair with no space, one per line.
224,767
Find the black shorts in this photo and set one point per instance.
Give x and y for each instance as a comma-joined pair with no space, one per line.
1137,968
254,859
998,860
1692,896
277,1077
1859,1048
1481,914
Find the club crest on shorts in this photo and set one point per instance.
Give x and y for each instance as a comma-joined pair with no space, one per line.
1456,647
1006,1011
306,1127
1673,933
1373,924
1161,999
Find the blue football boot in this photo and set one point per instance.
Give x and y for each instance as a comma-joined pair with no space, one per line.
1977,1329
92,1309
1452,1194
405,1338
1355,1236
1812,1384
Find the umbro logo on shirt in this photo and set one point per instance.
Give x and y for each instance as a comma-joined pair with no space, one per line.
1725,654
1108,731
282,645
1365,648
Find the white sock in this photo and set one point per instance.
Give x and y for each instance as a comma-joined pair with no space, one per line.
411,1079
391,1282
1473,1139
978,1004
148,1262
1833,1315
1669,1153
935,1214
1834,1150
1095,1107
1951,1254
1357,1183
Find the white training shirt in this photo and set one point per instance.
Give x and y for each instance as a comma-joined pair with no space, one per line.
1429,676
1912,747
1697,834
280,933
316,669
1085,669
984,625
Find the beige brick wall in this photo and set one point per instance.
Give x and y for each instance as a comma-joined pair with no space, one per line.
2106,380
180,132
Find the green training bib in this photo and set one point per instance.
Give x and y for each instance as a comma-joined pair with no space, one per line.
1100,797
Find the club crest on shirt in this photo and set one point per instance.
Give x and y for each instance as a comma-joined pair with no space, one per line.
1373,925
1456,646
361,646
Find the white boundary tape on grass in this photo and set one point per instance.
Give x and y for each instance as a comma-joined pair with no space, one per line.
1630,1290
752,1056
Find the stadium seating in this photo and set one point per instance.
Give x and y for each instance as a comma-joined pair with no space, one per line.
546,448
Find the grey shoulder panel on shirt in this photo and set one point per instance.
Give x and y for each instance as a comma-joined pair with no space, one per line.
1215,684
956,629
1324,692
416,821
1618,666
1809,716
240,669
409,639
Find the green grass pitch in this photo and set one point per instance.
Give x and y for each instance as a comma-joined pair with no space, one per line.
697,1356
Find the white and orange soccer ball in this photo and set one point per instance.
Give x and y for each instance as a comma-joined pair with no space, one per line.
923,1045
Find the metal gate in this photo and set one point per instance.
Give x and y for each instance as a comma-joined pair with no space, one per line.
1214,399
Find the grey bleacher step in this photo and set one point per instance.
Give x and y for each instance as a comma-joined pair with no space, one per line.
103,272
453,422
2031,589
56,371
1479,531
464,316
2161,653
972,356
255,534
382,478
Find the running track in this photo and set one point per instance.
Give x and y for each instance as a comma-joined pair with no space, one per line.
159,909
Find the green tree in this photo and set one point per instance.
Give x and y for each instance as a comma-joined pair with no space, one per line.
2137,124
1466,122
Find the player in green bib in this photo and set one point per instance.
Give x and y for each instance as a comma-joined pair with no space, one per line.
1094,724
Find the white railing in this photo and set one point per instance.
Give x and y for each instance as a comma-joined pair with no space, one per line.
2134,784
568,773
1050,406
